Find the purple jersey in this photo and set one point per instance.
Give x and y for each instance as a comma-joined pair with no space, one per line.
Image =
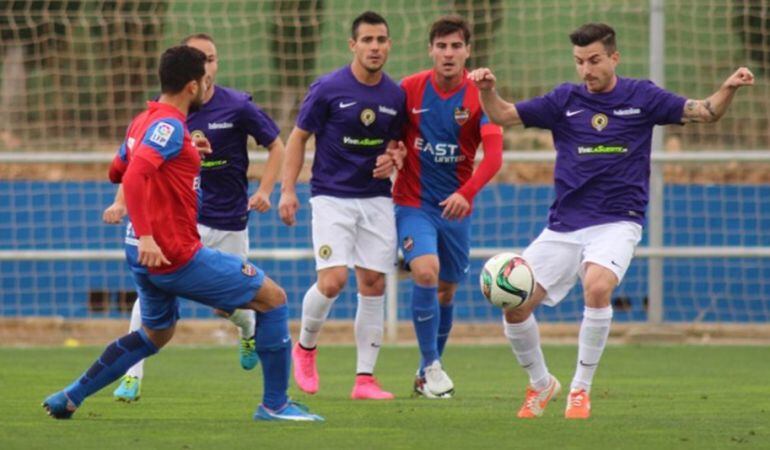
352,123
603,144
227,120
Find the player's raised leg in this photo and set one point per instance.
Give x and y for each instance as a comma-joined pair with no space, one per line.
130,388
522,332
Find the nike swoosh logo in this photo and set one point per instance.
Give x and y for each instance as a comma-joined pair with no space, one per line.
285,340
347,105
419,111
588,365
423,319
375,345
572,113
614,263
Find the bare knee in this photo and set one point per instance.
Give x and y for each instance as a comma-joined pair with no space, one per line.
160,338
446,292
332,281
425,270
597,294
370,283
269,296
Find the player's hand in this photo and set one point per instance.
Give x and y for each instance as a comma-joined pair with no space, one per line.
398,154
260,202
741,77
287,207
114,213
150,255
455,207
483,78
384,166
203,146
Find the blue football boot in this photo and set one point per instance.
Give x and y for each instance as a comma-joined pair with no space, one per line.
291,411
130,389
59,406
248,352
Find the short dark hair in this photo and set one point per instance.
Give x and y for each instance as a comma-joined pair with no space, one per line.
180,65
368,17
202,36
447,25
589,33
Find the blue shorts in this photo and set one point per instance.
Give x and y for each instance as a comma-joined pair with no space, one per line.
213,278
422,232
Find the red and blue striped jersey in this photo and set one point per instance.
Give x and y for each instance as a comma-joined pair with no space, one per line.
442,133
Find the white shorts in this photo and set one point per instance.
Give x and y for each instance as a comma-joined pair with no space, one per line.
234,242
354,232
559,258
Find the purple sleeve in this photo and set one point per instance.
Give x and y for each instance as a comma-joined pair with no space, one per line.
314,110
542,112
665,107
258,124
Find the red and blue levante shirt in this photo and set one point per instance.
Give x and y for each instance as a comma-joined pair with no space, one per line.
442,134
159,168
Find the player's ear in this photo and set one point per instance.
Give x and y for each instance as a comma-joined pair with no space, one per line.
351,44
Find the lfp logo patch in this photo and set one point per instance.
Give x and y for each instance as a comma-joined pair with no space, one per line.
248,270
162,133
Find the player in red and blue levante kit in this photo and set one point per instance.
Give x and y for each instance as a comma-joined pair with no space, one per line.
159,168
602,132
435,189
226,119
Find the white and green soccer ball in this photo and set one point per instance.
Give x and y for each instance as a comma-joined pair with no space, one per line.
507,280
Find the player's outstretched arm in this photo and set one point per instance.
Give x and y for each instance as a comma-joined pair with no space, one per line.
292,165
260,201
714,107
498,110
115,213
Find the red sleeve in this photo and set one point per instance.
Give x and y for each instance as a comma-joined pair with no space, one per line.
117,169
492,139
135,192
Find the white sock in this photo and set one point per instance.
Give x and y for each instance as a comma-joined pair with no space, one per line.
137,370
593,338
245,321
370,319
525,343
315,309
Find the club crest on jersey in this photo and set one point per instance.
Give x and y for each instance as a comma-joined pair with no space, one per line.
325,252
367,117
249,270
162,133
462,115
408,244
197,135
599,121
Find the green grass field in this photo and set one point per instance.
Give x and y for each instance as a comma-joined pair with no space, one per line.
650,397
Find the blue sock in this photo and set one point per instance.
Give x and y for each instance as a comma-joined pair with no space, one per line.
444,326
117,358
274,350
425,314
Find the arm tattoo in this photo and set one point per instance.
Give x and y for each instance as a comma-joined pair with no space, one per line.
707,105
690,105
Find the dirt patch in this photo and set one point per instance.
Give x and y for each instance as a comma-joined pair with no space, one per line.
53,331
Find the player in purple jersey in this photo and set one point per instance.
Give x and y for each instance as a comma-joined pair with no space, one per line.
354,112
602,132
226,119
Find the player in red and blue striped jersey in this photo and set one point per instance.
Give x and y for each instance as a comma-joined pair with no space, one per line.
435,189
159,168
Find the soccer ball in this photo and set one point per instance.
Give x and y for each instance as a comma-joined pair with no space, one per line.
506,280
